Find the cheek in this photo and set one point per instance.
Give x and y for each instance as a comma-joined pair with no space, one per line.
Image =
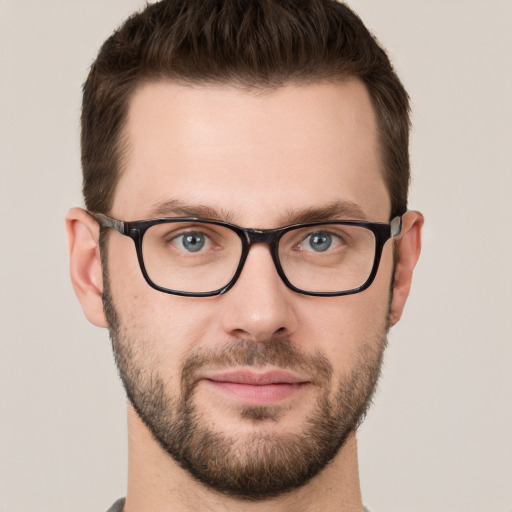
167,325
341,327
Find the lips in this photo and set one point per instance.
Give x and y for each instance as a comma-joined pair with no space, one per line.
257,388
258,379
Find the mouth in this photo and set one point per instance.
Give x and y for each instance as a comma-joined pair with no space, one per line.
257,388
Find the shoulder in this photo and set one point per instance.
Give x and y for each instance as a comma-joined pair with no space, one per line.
117,506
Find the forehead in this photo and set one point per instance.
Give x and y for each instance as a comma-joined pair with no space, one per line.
253,155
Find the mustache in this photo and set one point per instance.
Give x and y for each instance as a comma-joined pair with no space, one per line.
279,352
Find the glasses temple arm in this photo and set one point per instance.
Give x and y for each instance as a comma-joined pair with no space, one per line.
108,222
396,226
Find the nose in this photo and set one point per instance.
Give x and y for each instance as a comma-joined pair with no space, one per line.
259,306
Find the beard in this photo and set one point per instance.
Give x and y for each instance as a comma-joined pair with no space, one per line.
250,466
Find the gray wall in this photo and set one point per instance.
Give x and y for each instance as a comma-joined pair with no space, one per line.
439,437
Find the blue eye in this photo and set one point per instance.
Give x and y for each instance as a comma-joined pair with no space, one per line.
320,242
192,242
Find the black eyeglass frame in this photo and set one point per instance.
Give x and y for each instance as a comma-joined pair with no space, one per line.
249,236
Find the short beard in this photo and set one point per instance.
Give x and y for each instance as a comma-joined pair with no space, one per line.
260,465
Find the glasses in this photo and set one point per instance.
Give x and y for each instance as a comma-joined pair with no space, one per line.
201,257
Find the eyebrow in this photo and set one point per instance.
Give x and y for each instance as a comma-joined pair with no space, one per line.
177,208
337,210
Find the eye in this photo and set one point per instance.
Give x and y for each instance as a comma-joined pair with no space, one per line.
192,241
320,241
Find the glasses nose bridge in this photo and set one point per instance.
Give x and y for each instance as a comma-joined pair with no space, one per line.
268,237
261,236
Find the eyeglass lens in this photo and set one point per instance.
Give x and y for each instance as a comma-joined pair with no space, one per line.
202,257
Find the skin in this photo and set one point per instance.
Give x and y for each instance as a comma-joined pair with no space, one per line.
256,159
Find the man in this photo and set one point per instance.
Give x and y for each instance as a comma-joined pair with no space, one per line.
248,245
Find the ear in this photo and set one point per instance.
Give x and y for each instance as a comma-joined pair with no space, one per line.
85,263
407,253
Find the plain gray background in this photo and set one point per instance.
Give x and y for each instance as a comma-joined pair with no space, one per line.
439,437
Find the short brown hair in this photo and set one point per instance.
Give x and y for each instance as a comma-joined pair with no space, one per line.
246,43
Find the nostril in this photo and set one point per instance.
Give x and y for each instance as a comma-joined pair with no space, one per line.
281,330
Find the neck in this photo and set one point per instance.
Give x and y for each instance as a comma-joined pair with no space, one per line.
157,483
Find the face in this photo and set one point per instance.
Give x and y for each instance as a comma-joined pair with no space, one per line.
254,391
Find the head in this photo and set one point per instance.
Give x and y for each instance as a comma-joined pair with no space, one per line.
259,46
262,114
